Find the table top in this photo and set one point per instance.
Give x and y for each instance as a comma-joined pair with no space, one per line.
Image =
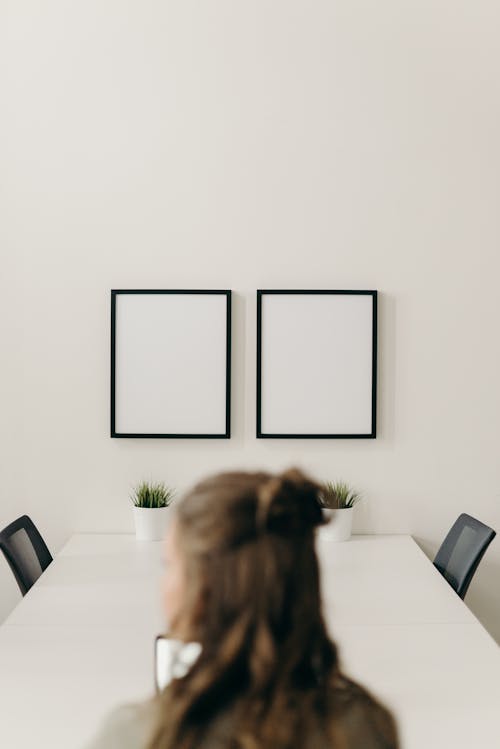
81,641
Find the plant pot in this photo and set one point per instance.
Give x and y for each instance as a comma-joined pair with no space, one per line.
150,523
340,525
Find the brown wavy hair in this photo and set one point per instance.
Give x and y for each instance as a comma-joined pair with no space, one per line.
253,598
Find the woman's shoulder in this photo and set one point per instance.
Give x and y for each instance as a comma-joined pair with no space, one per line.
363,719
126,727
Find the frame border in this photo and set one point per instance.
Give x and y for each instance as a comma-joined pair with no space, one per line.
172,435
358,292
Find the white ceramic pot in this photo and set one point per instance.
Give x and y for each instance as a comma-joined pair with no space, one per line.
150,523
340,526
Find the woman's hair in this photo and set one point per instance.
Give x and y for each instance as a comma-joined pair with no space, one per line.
253,597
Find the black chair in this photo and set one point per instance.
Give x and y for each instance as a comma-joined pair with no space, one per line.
462,550
25,551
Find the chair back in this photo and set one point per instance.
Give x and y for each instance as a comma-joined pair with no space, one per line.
25,551
462,550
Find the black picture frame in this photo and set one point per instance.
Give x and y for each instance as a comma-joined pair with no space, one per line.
371,433
114,433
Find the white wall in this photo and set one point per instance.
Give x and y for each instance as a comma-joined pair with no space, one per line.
242,145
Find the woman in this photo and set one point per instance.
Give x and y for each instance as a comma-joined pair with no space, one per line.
242,580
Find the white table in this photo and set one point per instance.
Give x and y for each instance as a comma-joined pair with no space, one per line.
81,641
406,635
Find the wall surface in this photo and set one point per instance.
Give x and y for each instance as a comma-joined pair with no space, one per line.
246,145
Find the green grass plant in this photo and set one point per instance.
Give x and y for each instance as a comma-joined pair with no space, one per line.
337,495
152,494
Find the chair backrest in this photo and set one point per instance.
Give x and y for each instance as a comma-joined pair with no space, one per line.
25,551
462,550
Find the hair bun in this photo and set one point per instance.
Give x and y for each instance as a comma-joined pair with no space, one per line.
288,504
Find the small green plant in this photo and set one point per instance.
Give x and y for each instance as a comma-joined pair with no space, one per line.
337,495
152,495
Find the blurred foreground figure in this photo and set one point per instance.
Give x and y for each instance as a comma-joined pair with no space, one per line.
242,581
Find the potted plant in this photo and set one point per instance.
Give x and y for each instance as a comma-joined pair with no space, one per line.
338,500
151,502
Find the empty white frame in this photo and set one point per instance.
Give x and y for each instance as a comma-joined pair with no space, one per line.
170,363
316,364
